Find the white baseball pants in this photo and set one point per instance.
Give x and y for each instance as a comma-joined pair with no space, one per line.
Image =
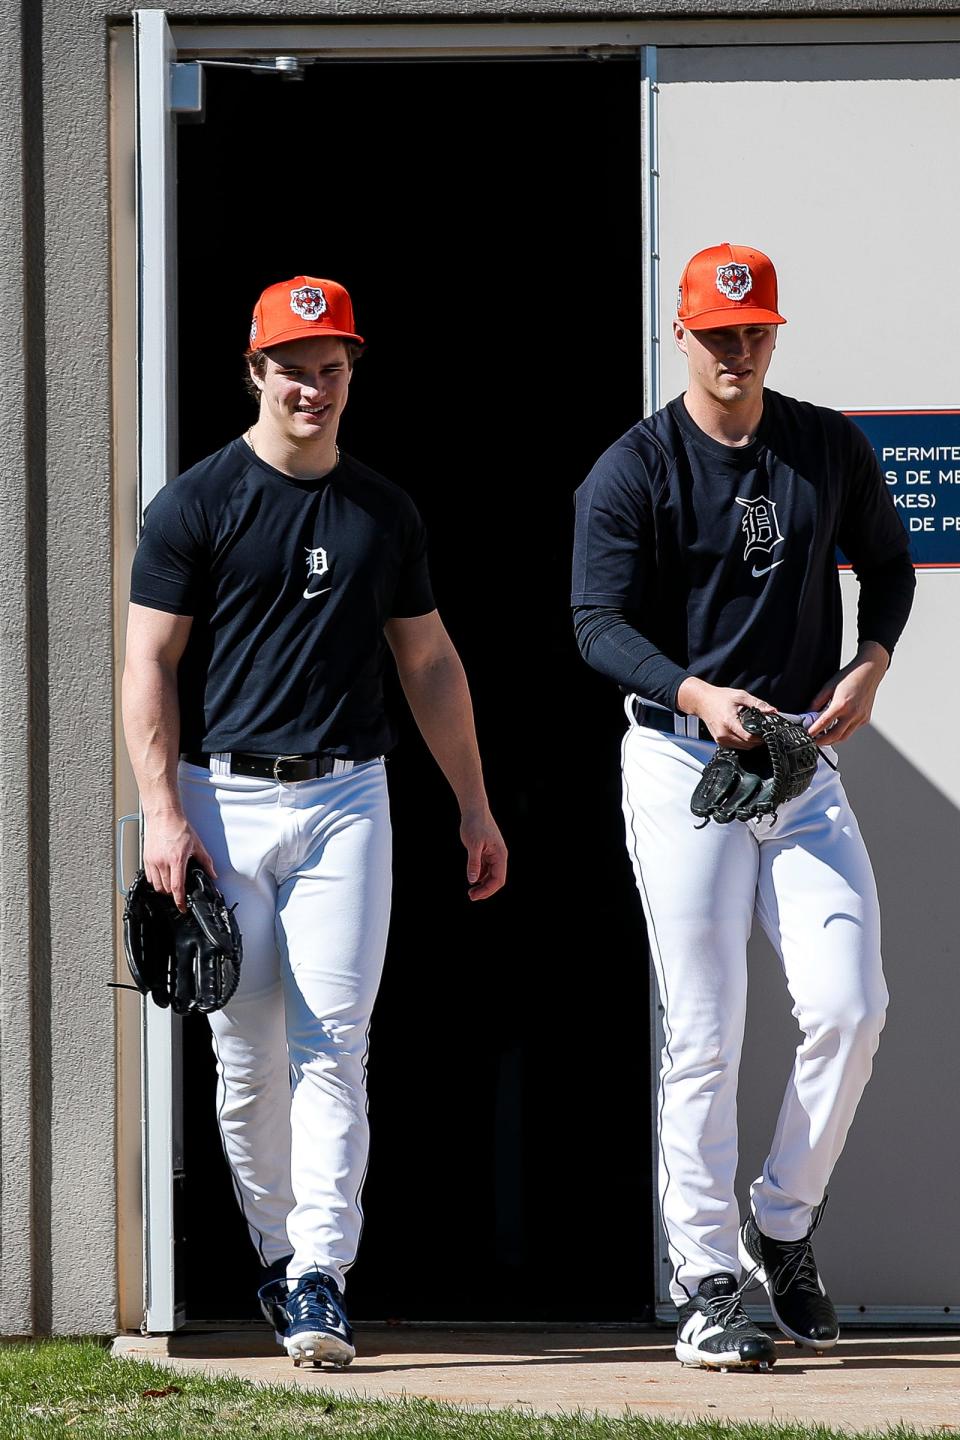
808,879
309,867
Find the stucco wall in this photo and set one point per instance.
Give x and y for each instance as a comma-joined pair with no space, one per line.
16,920
56,794
57,805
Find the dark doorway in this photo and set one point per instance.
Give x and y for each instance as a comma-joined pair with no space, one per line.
486,217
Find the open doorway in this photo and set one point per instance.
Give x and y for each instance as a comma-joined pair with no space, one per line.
486,218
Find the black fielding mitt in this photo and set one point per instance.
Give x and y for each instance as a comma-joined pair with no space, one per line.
746,784
188,960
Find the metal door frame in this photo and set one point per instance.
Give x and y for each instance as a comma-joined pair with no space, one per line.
154,53
158,46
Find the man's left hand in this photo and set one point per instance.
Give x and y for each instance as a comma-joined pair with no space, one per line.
847,699
486,854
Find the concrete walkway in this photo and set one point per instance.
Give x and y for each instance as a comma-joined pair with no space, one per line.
869,1381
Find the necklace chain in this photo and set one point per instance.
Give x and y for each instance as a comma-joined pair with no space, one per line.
248,436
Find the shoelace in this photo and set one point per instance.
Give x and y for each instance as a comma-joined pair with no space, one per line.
728,1312
314,1302
798,1268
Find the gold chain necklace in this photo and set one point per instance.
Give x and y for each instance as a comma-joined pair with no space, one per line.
248,436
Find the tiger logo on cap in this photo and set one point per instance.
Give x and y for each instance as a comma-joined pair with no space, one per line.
734,281
309,302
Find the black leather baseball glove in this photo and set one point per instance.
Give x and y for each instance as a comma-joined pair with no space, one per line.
745,784
189,960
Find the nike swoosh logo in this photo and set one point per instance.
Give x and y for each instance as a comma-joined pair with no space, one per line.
766,569
312,594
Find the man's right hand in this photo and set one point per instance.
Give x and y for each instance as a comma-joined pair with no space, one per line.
719,709
167,846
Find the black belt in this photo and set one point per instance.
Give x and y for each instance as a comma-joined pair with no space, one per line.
285,769
657,719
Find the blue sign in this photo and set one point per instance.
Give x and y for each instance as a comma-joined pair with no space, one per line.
919,454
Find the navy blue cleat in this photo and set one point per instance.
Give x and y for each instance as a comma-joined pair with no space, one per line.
317,1327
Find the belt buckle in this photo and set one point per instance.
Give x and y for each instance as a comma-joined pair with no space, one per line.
278,762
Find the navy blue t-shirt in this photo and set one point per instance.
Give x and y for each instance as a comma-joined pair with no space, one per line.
289,583
724,557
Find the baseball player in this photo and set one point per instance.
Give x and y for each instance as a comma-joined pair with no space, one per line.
269,583
704,581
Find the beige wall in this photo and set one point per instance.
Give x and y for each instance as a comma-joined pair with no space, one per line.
831,159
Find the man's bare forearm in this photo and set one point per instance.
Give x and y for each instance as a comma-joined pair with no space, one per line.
151,724
439,700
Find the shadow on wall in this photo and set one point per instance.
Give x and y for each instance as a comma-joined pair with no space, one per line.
898,1179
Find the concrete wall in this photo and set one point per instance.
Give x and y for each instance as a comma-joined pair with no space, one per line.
58,795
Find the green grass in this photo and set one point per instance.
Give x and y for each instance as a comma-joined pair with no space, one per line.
75,1390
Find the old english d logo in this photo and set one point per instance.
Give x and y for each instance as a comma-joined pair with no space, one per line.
760,526
317,567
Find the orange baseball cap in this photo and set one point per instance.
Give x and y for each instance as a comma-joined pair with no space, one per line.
300,308
728,285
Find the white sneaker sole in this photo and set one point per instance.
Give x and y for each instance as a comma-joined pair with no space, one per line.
318,1346
760,1275
721,1360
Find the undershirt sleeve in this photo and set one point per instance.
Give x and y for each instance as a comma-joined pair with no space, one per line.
872,537
870,531
613,566
612,645
613,532
886,597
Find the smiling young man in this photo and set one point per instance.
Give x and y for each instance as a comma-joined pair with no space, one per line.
705,580
270,581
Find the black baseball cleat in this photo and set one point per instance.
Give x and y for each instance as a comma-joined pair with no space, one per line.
788,1272
716,1333
317,1328
273,1303
277,1269
272,1294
